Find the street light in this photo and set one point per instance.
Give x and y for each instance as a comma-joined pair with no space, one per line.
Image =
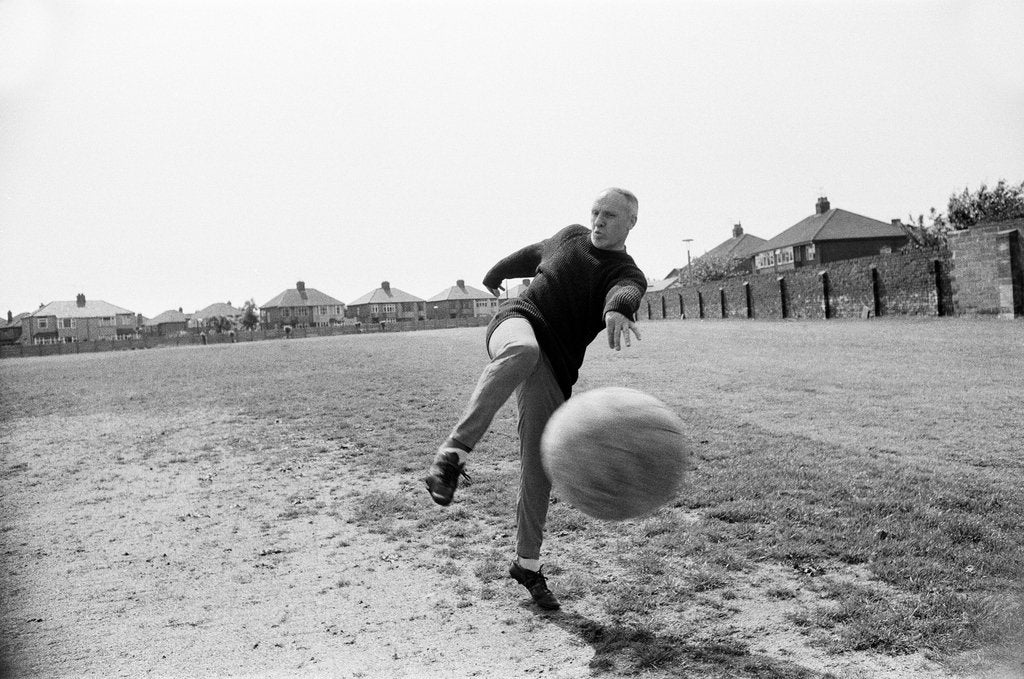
687,241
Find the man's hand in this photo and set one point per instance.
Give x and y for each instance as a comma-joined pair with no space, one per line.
618,328
496,291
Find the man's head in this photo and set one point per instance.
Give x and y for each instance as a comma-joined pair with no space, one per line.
611,218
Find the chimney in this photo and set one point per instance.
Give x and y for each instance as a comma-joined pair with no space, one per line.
180,311
301,287
386,287
80,300
461,284
10,317
737,230
822,206
897,222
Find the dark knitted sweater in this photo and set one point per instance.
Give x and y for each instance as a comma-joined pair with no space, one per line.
574,285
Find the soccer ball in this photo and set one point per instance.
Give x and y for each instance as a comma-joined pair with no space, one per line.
615,453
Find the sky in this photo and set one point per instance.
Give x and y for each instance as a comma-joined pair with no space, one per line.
160,155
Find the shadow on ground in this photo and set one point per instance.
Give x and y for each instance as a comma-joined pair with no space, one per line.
630,650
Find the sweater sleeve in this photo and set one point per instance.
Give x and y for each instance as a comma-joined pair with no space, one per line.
522,263
626,293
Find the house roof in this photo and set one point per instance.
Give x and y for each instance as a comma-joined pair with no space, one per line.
307,297
218,309
460,292
831,225
740,246
170,316
517,289
15,321
70,309
737,247
664,284
386,295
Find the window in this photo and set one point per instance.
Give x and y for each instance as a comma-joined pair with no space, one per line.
41,323
106,320
375,308
389,308
284,312
809,251
66,323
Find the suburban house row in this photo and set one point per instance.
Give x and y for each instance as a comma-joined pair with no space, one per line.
828,235
83,320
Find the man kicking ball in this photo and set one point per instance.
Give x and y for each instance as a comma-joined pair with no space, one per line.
583,283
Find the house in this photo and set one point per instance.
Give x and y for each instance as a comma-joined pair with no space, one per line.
739,249
172,322
516,290
302,307
10,330
829,235
461,301
387,305
217,310
78,321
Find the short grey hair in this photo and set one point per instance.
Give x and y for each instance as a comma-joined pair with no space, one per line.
630,197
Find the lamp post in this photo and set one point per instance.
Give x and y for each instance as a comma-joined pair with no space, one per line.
687,241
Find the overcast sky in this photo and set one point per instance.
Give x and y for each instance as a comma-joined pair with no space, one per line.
158,154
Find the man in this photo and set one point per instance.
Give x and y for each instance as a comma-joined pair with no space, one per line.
583,283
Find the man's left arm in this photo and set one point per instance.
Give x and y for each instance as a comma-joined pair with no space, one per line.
621,304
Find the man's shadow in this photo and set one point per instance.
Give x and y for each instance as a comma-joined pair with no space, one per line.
632,649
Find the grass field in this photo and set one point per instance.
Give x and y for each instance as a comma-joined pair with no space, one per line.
855,509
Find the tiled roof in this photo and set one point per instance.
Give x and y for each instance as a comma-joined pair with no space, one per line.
292,298
664,284
70,309
465,292
218,309
171,316
15,321
737,247
391,296
834,224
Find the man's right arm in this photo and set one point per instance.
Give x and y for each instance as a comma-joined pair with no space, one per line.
522,263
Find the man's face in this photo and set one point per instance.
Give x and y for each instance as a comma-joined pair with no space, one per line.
610,221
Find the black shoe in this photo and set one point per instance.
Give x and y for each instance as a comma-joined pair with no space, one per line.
537,586
443,477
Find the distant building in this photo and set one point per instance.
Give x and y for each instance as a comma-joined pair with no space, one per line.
10,330
215,310
302,307
78,321
387,305
829,235
740,249
517,289
461,301
168,323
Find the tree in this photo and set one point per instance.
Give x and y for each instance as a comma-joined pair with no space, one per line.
250,319
711,268
1005,201
928,232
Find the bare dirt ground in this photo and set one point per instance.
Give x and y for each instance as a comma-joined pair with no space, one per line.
169,563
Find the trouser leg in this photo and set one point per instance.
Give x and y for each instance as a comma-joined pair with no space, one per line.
514,355
537,397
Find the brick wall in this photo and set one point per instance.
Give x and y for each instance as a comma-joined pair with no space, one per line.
986,269
981,272
906,283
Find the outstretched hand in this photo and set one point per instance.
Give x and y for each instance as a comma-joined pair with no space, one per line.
619,327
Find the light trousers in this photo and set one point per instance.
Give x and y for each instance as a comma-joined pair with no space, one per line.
517,365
